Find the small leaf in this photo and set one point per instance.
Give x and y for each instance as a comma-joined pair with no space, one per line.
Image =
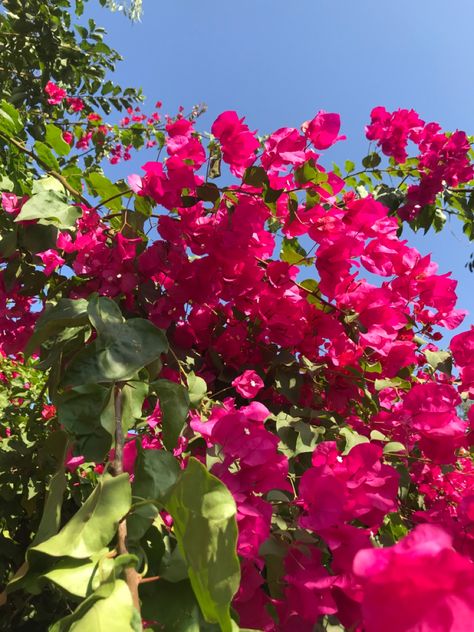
54,138
102,187
440,360
352,439
255,177
104,314
46,156
293,253
197,388
372,160
393,447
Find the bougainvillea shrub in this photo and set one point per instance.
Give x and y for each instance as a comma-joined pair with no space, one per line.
227,398
224,403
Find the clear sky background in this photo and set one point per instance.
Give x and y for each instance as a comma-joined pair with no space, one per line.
278,62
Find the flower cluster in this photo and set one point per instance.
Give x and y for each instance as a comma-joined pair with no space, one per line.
443,160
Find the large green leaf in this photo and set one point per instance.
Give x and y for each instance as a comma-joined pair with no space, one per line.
49,207
204,513
117,357
94,525
110,607
174,405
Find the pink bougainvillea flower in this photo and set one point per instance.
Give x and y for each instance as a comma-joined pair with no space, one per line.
68,137
72,462
75,103
55,93
421,584
248,384
48,411
237,141
323,130
51,261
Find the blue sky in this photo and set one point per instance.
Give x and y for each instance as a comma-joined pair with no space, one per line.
278,62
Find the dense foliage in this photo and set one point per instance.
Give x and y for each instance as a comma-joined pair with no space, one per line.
224,406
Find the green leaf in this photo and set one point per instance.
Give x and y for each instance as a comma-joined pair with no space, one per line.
197,388
73,576
392,447
51,518
105,189
54,138
156,472
104,314
73,175
309,172
49,208
173,605
95,523
46,156
37,238
117,357
174,405
10,121
208,192
393,382
440,360
214,162
66,313
371,161
204,513
255,177
352,439
111,602
293,253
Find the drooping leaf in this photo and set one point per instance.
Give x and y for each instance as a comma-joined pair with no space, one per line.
204,513
66,313
94,524
174,405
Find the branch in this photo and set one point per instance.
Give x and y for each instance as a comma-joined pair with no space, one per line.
44,166
132,578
